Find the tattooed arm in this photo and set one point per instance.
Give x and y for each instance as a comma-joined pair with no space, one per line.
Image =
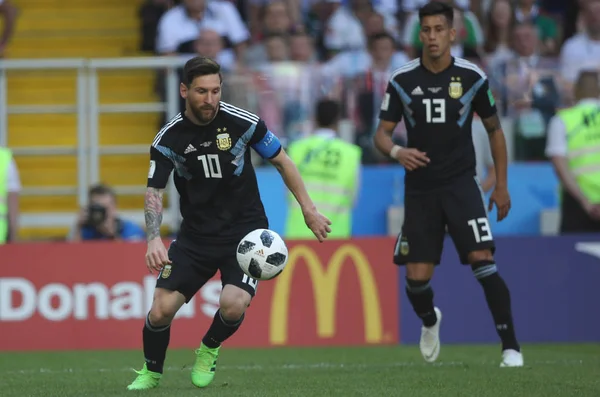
498,146
153,211
158,176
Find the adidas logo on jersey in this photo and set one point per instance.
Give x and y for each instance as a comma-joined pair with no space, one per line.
189,149
417,91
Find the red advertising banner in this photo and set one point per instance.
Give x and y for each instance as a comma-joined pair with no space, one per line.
96,296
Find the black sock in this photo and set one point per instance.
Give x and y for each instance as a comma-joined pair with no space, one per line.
497,296
220,330
156,341
420,296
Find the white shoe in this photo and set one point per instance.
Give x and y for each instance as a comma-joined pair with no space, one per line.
430,339
511,358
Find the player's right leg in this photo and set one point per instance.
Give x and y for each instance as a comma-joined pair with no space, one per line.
419,247
156,335
176,284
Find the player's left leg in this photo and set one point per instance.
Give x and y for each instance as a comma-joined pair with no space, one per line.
238,291
469,228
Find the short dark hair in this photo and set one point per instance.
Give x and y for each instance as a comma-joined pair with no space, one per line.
100,190
327,113
380,36
200,66
437,8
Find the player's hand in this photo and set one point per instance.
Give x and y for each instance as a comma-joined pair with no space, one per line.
593,210
501,198
157,255
318,223
412,159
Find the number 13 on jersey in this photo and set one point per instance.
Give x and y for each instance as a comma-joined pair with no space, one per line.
435,110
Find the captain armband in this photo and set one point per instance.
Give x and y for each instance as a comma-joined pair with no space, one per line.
269,146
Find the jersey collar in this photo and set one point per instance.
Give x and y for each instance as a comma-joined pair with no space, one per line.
325,133
441,71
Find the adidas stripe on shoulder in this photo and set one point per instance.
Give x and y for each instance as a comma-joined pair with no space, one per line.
239,112
463,63
166,128
412,65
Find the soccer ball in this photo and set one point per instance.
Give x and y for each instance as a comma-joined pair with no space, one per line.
262,254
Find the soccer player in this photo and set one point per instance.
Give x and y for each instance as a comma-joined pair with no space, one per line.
207,147
437,95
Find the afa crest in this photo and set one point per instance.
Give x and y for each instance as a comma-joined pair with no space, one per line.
223,139
404,248
455,90
166,271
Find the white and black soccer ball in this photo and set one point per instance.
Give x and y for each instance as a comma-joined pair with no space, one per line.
262,254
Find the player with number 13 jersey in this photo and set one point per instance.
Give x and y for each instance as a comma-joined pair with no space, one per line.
437,96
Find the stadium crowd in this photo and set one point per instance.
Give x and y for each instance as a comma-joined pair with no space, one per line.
281,56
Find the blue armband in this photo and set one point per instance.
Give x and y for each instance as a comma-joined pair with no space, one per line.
268,147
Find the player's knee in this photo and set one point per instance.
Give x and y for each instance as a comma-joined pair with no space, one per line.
233,303
483,269
480,256
419,271
164,307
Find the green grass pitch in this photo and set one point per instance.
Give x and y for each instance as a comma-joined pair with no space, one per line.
551,371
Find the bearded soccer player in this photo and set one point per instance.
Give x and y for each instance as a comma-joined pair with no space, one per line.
437,96
207,147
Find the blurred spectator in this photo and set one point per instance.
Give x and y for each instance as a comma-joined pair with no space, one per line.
530,91
582,51
330,168
210,44
276,49
365,76
9,14
469,35
302,48
180,27
278,16
499,22
345,31
528,11
275,20
571,18
100,220
574,149
150,13
10,187
380,55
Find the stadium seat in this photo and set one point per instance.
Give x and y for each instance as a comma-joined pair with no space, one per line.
76,29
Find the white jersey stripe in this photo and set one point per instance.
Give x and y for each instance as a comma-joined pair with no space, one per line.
239,110
463,63
412,65
167,126
239,115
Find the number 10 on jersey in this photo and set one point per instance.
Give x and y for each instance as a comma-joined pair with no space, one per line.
211,165
435,110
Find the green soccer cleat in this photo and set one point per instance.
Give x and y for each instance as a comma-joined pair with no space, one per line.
145,380
203,371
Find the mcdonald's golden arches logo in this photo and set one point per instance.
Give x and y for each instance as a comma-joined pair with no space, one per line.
325,280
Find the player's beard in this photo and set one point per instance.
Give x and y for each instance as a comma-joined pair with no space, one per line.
204,114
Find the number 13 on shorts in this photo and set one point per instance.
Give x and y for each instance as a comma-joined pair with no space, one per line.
481,229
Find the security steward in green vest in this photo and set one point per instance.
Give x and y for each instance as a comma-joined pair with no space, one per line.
573,145
330,168
10,186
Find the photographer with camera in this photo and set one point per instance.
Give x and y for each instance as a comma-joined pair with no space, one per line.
99,220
